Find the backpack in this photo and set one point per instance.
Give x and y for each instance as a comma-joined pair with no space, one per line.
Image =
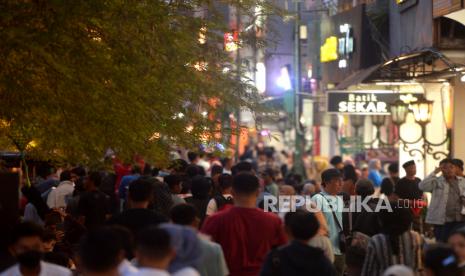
223,203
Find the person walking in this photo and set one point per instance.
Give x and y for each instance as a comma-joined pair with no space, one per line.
447,190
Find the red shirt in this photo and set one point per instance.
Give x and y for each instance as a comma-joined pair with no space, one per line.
246,236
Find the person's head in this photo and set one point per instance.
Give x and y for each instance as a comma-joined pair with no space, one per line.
440,260
393,169
49,240
126,238
186,244
458,166
364,188
268,176
78,172
193,157
26,244
93,181
301,225
225,182
457,242
178,166
286,190
147,171
227,163
354,256
245,185
337,163
308,189
174,183
448,168
136,169
364,172
65,176
349,173
332,181
396,222
216,171
410,168
100,252
185,214
140,193
374,164
243,167
154,249
201,187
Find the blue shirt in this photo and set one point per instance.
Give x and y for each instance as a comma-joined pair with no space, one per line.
321,199
124,186
375,177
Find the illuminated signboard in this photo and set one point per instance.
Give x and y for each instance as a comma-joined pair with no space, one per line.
339,48
365,102
231,41
329,49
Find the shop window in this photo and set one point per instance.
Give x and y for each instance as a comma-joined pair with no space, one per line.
449,34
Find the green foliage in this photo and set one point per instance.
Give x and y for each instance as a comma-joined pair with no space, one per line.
79,77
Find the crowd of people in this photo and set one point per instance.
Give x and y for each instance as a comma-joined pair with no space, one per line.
205,215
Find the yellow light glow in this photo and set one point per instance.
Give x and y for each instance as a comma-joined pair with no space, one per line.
447,104
203,35
329,50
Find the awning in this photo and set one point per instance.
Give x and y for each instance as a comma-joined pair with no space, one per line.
358,77
458,16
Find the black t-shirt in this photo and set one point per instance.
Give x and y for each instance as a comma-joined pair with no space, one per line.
137,219
94,206
408,189
388,184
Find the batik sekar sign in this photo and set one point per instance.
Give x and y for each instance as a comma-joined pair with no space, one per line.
366,102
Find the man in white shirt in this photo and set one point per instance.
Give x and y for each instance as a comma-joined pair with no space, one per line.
27,247
154,252
57,196
220,202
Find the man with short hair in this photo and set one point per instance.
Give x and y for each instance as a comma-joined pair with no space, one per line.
298,258
137,216
445,210
389,183
245,232
459,166
28,249
331,206
57,196
174,184
337,163
100,252
213,262
193,158
154,252
93,205
225,199
126,180
407,187
268,176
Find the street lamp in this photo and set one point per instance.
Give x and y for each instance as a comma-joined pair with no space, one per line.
399,112
357,122
378,120
422,111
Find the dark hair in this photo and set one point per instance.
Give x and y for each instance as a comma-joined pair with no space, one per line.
178,165
79,171
335,160
243,166
355,256
100,249
458,163
225,181
364,188
393,167
225,161
183,214
34,197
303,225
26,229
49,235
330,174
140,190
442,260
395,223
349,173
245,183
269,172
201,187
65,176
446,161
216,170
95,177
136,169
153,242
126,238
192,156
172,180
147,169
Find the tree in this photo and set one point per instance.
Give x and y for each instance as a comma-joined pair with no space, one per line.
80,77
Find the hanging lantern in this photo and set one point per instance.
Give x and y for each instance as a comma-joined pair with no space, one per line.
378,120
357,121
399,111
422,111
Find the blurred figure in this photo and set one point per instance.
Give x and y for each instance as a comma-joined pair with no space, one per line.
225,199
399,270
407,187
298,258
57,196
268,176
374,166
459,166
36,209
27,247
309,189
174,183
94,205
389,183
349,180
201,192
154,252
336,162
457,242
213,262
440,260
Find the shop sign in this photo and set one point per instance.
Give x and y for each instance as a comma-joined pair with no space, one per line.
339,48
328,52
365,102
